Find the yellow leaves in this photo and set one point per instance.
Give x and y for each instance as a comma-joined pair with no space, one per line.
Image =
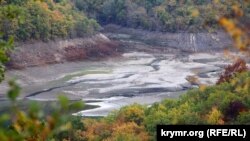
159,9
246,87
215,117
126,126
237,11
235,28
95,128
20,121
234,82
54,13
89,122
17,127
238,89
228,24
51,121
202,88
161,107
44,5
101,130
129,131
216,1
134,113
57,15
66,126
33,129
241,84
195,13
240,39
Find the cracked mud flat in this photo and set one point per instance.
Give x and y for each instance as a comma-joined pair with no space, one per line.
135,77
144,74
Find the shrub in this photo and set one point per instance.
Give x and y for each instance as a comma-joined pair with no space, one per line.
231,70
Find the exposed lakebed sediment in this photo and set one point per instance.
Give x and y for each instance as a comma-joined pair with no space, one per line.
143,74
136,77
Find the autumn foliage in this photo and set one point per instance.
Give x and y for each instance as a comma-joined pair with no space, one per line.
223,104
226,103
43,20
125,124
236,25
231,70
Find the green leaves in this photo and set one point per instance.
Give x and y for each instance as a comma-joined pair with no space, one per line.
43,20
5,46
34,124
14,91
76,105
226,103
66,105
64,102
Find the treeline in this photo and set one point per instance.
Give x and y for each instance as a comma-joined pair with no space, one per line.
163,15
43,20
50,19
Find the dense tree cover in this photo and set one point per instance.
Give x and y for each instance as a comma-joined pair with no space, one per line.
43,20
164,15
50,19
5,46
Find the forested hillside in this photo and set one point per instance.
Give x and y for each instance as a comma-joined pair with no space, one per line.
43,20
51,19
163,15
146,72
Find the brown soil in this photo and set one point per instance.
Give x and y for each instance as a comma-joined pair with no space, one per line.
41,53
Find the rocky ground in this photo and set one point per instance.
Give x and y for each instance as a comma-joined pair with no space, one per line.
184,41
146,70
